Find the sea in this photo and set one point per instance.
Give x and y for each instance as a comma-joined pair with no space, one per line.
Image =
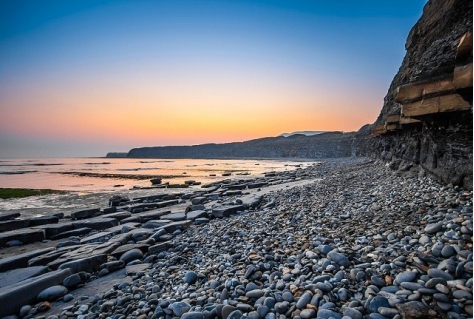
110,174
90,182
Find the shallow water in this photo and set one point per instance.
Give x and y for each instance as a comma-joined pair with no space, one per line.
104,174
128,176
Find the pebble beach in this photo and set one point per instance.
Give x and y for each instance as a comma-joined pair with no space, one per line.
343,239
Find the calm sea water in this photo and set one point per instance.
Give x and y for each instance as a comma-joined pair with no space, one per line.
110,174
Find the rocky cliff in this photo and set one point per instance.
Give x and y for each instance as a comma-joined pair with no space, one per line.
325,145
426,119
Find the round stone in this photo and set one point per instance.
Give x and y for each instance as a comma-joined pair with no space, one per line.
413,286
405,276
190,277
442,288
251,286
326,314
180,307
324,286
227,310
433,228
131,255
377,302
462,294
193,315
262,311
376,280
257,293
339,258
434,281
304,300
424,240
282,307
236,314
307,313
437,273
72,281
388,312
352,313
52,293
448,251
24,310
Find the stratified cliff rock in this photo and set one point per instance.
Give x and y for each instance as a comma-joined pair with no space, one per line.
426,119
325,145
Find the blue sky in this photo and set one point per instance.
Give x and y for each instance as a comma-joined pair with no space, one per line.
103,76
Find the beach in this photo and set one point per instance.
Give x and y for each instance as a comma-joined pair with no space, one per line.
347,238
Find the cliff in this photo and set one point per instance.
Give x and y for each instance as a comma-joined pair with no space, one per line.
426,119
325,145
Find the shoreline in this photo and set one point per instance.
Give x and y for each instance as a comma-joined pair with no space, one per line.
353,236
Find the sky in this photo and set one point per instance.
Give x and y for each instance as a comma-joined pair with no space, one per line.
83,77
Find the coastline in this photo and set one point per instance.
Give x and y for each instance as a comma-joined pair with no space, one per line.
354,236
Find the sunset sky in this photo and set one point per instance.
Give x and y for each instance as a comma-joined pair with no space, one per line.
81,78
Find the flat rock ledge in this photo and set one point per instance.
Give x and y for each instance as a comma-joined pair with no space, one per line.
344,239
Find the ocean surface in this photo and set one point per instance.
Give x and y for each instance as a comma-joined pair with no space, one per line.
110,174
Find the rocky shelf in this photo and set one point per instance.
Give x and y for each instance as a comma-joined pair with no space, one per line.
345,239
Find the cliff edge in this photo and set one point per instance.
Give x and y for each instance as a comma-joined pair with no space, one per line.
426,119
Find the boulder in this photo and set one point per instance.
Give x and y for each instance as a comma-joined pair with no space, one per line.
152,214
15,276
8,216
181,225
12,298
44,220
89,264
87,213
226,211
128,247
118,215
99,237
130,255
55,229
52,293
154,224
8,225
159,247
177,216
98,223
21,260
74,232
26,236
192,215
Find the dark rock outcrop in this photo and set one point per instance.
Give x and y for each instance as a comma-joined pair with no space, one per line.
426,119
116,155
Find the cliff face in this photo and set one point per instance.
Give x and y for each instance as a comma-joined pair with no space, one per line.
426,118
326,145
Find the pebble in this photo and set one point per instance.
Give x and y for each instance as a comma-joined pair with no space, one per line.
190,277
179,308
52,293
437,273
307,313
352,313
433,228
304,300
132,254
339,258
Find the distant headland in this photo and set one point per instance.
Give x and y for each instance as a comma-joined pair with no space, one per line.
307,144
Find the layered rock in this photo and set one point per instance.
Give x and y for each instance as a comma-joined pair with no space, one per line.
426,118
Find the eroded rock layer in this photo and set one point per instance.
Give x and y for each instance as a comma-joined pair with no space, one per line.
426,119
